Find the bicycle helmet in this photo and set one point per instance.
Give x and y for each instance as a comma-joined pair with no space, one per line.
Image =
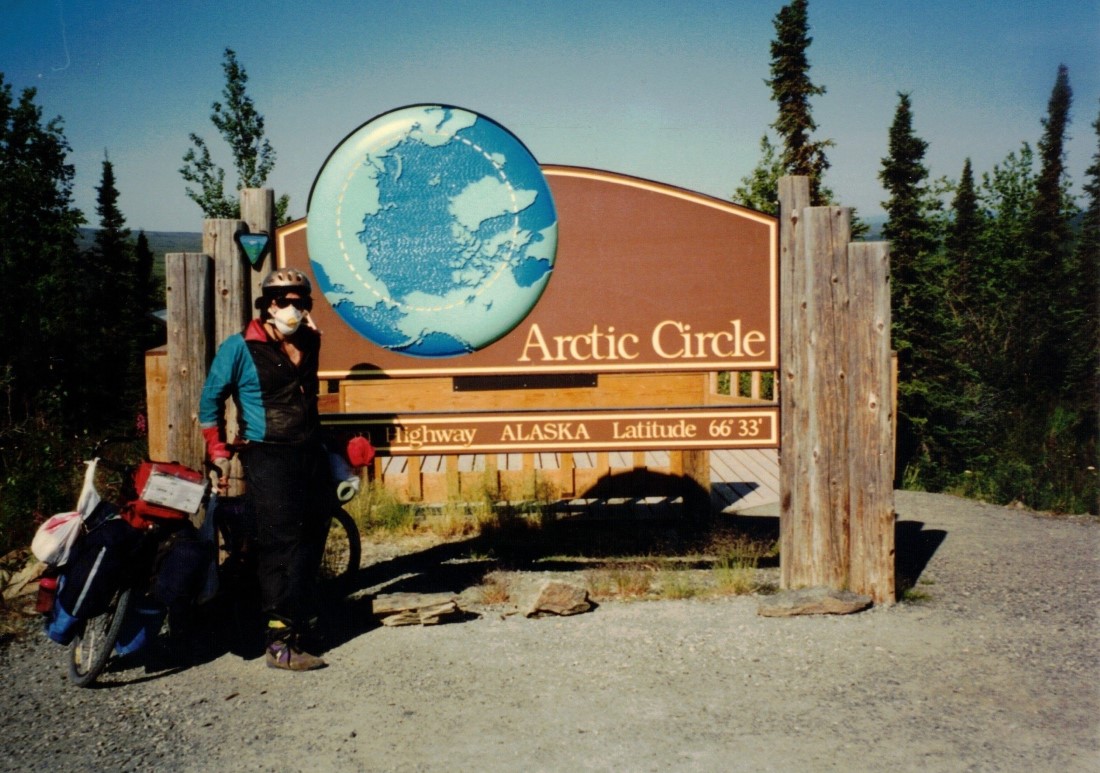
280,282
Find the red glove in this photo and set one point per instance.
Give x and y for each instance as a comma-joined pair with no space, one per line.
215,446
360,451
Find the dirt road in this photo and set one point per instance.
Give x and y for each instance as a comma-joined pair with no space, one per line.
997,668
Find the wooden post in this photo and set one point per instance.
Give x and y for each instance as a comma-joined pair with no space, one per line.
258,213
568,475
156,401
414,484
230,310
836,403
454,487
795,456
870,424
231,281
828,231
696,483
187,283
817,525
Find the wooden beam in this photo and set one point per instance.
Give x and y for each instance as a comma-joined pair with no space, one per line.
156,401
795,520
187,280
258,214
870,425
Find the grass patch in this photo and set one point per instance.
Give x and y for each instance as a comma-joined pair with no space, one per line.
494,589
618,558
678,585
915,596
620,581
379,513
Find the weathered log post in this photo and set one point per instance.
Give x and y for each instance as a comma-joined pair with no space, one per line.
836,461
187,292
258,214
871,427
231,312
795,456
231,281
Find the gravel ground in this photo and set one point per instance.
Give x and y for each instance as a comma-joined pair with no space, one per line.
996,668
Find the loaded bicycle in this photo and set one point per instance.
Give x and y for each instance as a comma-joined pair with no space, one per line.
111,598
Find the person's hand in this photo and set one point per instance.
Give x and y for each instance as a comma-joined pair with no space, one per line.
222,482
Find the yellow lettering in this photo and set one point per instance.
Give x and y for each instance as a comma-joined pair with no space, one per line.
535,339
753,337
658,332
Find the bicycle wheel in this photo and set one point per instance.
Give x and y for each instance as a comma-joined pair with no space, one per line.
343,549
92,647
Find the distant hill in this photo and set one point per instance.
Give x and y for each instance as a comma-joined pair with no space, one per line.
163,242
160,242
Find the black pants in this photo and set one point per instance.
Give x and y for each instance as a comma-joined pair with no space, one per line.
291,493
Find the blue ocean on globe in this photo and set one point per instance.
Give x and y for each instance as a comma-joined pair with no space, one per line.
432,231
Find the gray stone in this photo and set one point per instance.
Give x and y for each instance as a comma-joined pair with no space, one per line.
555,597
813,601
415,608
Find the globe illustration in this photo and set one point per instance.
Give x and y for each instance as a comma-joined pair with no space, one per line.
431,231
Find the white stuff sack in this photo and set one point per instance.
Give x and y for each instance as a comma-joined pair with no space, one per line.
54,540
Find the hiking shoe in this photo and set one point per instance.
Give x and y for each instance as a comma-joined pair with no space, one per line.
285,655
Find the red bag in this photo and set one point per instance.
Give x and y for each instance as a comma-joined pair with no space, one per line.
166,490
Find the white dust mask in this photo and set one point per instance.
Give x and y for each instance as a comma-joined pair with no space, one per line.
287,320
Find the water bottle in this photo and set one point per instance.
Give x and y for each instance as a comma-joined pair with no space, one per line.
47,592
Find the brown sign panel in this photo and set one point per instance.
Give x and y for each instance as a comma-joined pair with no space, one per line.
681,429
646,277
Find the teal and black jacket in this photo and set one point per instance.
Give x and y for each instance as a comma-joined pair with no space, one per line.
276,399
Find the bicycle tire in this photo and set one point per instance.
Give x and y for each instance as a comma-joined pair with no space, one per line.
92,647
343,549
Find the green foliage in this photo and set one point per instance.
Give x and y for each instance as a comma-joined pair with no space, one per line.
116,266
242,128
40,334
996,323
792,89
932,396
70,367
760,189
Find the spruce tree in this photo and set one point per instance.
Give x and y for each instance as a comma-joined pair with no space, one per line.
38,253
41,329
963,253
964,233
1083,373
932,440
792,89
122,316
1045,360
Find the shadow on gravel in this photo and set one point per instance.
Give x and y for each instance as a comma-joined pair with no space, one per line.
914,548
561,542
564,539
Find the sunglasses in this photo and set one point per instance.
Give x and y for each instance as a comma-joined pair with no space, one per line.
302,304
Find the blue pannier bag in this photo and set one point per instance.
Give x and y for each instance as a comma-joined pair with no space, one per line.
98,568
141,626
61,627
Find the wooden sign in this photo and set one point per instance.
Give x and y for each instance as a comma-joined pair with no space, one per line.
646,277
578,430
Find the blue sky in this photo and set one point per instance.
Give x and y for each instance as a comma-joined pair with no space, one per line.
670,91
